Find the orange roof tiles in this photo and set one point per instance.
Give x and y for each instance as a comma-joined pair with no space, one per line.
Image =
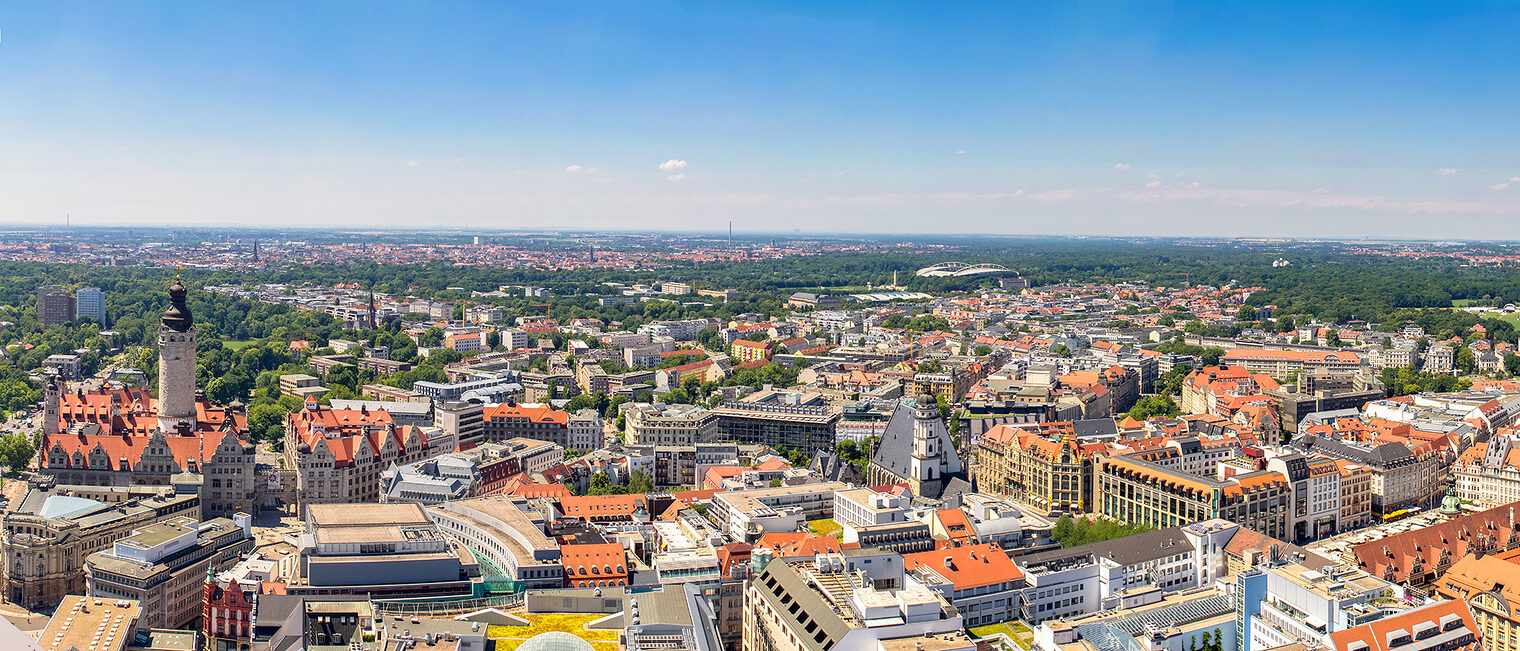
968,567
541,413
957,527
1392,558
593,561
1378,635
601,506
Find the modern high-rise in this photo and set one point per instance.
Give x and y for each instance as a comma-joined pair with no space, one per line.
90,302
54,305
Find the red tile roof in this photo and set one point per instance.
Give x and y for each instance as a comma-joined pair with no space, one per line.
539,413
1378,635
601,506
600,561
968,567
1392,558
793,545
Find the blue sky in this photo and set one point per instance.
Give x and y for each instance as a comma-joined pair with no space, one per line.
1396,119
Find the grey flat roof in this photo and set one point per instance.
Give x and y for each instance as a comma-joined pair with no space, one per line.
1129,550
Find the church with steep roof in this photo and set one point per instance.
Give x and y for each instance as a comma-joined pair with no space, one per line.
916,449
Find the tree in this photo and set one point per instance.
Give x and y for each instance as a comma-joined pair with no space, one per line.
16,451
266,421
227,388
639,482
1512,364
1246,313
1060,350
710,339
582,401
1467,362
1069,532
1173,380
1150,406
776,483
601,484
982,350
1210,356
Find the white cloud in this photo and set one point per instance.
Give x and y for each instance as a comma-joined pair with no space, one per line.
673,165
1447,171
1120,166
958,152
1153,184
459,160
676,177
577,169
1506,184
1180,173
412,163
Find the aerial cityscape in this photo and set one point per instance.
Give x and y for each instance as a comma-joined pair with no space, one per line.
798,327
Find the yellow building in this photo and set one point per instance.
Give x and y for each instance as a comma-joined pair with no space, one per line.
1491,587
1047,468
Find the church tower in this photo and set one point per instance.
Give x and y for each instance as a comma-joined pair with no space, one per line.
924,464
176,362
934,459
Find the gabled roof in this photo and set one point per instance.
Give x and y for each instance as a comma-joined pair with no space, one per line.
593,561
200,446
1247,540
591,506
533,413
1392,558
1126,551
791,545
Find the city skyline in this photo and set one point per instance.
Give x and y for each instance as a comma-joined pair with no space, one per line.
1186,119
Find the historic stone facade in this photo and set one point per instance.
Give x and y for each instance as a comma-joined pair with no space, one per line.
127,437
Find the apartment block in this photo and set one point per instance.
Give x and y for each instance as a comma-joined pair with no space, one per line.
662,424
164,565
